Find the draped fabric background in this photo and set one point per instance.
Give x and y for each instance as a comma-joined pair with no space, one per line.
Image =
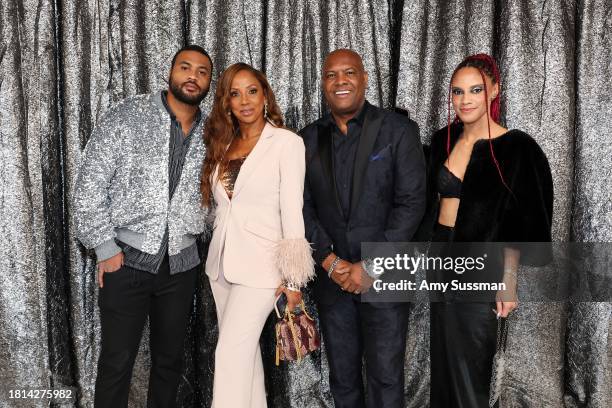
63,63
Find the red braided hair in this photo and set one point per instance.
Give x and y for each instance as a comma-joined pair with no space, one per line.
486,65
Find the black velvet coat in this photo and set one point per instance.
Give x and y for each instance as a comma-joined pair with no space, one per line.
488,211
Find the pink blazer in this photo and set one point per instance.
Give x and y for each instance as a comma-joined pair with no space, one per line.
258,235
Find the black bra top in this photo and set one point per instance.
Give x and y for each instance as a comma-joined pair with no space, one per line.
449,185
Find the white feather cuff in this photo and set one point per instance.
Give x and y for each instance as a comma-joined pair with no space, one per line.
294,259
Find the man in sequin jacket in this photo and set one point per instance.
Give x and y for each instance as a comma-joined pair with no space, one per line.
137,203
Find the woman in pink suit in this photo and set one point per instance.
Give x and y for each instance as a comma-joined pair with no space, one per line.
253,178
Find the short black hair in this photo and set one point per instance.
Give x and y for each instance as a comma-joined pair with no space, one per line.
196,48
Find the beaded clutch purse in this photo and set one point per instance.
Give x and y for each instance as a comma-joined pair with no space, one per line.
296,335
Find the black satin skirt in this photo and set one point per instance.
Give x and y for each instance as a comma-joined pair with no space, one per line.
462,338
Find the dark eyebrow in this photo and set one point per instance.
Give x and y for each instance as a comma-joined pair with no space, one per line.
474,86
198,66
330,71
248,86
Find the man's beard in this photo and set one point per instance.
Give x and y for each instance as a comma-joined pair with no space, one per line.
178,93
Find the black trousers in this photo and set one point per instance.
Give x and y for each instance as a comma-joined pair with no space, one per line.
462,344
353,330
462,337
128,297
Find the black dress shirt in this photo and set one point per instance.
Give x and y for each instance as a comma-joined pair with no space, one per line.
345,148
344,151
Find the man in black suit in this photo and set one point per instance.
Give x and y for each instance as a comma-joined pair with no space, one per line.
365,182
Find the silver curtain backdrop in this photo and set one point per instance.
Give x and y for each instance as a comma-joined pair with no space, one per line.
63,63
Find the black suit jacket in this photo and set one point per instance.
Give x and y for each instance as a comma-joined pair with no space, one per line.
387,195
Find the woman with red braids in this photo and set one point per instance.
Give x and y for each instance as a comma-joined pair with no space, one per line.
487,184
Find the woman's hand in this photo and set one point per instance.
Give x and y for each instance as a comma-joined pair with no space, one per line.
506,302
294,298
505,308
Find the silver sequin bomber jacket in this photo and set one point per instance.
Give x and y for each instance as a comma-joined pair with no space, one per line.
122,188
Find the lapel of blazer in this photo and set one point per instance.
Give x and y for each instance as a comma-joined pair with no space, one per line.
257,155
371,127
325,150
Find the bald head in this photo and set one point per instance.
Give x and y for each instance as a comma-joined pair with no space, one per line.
344,54
344,81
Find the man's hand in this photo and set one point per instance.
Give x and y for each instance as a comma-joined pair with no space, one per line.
108,266
366,280
358,281
341,267
339,278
